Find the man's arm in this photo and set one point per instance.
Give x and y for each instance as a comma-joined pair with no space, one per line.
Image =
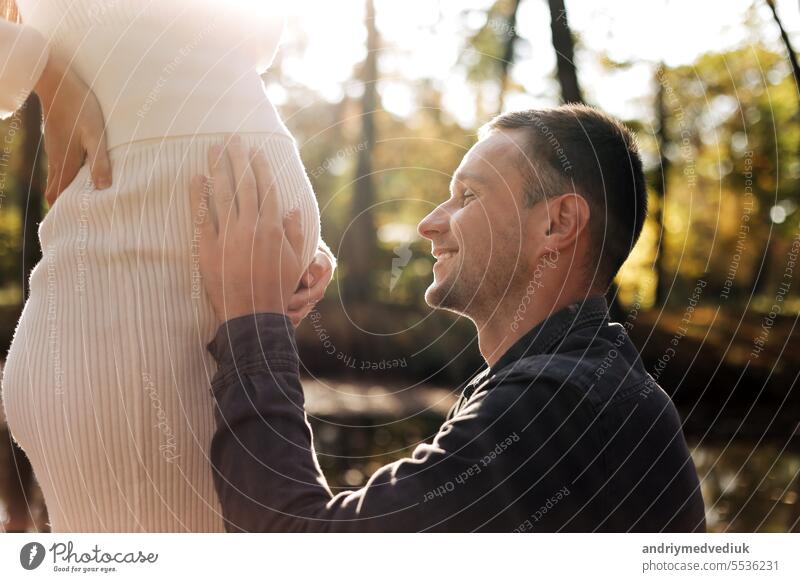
266,472
479,464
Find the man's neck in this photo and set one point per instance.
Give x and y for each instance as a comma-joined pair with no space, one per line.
500,332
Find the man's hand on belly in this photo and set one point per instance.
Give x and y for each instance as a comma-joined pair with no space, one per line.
250,261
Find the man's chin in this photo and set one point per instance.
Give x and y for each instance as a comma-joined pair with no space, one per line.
441,296
432,296
435,294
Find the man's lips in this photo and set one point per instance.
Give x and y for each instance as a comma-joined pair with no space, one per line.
441,254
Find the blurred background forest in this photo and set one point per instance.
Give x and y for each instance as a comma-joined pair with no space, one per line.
384,97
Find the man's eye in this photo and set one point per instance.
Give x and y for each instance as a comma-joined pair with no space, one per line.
467,196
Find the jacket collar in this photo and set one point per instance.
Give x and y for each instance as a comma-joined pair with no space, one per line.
544,337
541,339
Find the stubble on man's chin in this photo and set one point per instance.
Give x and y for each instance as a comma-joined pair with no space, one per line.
459,298
452,297
441,296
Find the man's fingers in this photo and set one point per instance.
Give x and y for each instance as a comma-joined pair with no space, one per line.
317,291
320,269
297,317
199,194
99,162
269,204
312,287
315,294
293,229
299,300
246,192
311,290
223,188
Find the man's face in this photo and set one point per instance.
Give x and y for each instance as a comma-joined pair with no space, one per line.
477,234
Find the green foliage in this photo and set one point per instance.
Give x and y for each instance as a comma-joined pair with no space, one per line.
733,145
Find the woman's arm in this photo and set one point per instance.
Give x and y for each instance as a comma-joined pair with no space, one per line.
23,57
74,127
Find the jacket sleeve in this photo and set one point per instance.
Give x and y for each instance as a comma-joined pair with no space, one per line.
23,56
268,478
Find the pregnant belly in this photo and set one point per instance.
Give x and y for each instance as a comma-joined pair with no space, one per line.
110,350
111,344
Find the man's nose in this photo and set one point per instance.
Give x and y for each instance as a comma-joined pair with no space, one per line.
436,223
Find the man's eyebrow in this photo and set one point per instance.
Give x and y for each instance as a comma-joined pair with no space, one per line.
467,177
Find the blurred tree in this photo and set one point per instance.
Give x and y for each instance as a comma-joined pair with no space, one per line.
732,172
564,45
660,184
787,43
491,53
796,72
792,54
508,52
361,241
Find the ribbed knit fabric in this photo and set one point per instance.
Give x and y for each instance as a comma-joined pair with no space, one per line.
168,67
106,386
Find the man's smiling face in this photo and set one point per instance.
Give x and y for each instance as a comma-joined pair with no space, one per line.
476,235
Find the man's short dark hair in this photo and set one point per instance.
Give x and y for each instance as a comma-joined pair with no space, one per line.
577,148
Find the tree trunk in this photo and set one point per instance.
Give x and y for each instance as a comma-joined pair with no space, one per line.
362,238
660,185
564,46
787,42
508,53
789,49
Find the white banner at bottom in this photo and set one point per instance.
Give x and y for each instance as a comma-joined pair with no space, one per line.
400,557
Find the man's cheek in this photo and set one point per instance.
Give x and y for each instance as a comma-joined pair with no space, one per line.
473,263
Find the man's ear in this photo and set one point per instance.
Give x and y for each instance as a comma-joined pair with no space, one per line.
568,219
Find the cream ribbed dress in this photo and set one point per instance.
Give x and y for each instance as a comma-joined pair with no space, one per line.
106,385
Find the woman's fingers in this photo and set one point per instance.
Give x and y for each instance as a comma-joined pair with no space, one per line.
97,156
60,175
51,190
244,180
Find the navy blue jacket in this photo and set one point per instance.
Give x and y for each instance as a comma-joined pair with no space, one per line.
566,432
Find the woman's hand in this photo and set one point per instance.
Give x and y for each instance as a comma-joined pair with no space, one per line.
252,262
312,285
74,128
